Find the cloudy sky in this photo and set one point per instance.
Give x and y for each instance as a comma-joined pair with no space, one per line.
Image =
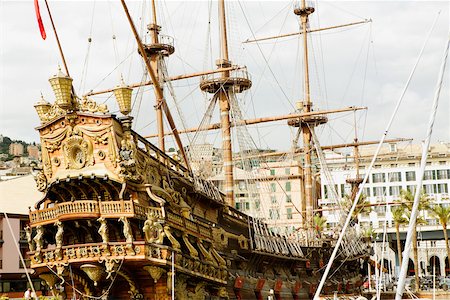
363,65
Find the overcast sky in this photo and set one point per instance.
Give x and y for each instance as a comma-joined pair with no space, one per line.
364,65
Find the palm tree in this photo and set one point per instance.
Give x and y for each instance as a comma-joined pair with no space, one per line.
443,214
407,202
363,206
319,223
399,219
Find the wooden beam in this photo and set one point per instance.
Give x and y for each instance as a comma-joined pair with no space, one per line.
330,147
308,31
266,119
173,78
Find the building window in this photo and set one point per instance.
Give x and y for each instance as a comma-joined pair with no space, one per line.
442,188
273,199
288,198
274,214
378,177
395,177
367,192
411,189
257,204
325,191
247,205
410,176
379,191
393,147
411,164
238,205
289,213
342,190
288,186
272,172
394,190
433,243
241,185
273,187
287,171
442,162
429,188
442,174
429,175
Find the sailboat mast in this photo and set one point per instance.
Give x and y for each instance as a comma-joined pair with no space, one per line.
154,57
308,199
224,106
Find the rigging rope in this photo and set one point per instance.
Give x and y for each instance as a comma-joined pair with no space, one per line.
414,212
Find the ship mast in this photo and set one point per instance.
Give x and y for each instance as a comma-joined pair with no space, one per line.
225,110
154,57
222,87
306,127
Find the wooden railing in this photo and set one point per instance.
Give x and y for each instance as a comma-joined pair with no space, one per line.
92,209
196,227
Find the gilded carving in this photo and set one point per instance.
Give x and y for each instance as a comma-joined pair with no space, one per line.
103,230
206,255
59,238
111,265
192,251
39,241
155,272
41,181
153,230
173,241
199,292
28,234
128,233
127,158
77,152
223,293
89,105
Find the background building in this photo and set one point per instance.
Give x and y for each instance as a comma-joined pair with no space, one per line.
16,149
33,151
396,169
16,195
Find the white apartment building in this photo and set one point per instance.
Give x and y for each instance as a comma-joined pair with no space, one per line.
396,168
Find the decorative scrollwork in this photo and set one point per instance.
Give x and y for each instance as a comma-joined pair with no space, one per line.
78,152
153,230
89,105
41,181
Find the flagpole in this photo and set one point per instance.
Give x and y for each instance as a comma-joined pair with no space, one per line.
57,39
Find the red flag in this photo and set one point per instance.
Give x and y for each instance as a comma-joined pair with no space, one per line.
39,19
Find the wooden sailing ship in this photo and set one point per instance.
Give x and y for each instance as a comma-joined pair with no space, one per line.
120,219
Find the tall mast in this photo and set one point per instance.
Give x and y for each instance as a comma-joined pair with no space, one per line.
224,106
154,57
221,88
305,125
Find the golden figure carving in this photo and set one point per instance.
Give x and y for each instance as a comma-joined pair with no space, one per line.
103,230
127,161
28,234
128,233
153,230
59,238
39,241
